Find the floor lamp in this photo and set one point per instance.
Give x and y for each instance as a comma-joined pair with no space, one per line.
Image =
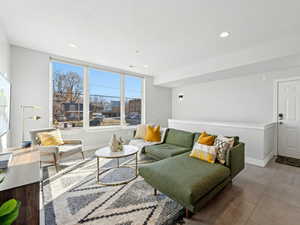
24,143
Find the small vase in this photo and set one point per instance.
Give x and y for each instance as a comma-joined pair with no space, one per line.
113,144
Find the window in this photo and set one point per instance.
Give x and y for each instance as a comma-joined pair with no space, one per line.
67,95
133,100
104,91
107,99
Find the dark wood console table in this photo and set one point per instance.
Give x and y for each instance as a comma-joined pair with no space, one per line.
22,182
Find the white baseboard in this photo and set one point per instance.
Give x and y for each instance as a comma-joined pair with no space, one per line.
259,162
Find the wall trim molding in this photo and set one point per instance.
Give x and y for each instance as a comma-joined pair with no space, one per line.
258,138
259,162
227,124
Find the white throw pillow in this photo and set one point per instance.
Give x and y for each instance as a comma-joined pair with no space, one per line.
140,131
162,134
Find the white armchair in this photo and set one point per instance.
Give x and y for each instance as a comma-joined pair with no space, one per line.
53,154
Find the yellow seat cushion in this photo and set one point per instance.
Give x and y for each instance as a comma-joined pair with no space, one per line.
153,134
206,139
50,138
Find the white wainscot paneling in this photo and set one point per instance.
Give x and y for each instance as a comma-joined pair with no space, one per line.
259,139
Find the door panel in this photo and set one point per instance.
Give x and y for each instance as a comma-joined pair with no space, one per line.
289,125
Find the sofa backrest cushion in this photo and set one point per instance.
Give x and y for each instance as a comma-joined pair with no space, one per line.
180,138
236,138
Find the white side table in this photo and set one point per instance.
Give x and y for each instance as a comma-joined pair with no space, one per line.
106,153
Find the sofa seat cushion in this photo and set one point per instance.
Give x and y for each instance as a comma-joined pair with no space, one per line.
183,178
163,151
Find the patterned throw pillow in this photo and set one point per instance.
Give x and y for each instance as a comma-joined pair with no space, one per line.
204,152
223,145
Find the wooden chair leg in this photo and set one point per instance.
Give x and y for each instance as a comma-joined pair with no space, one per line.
82,155
42,175
55,162
187,213
155,191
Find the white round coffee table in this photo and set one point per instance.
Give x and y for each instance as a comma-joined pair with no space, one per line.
106,153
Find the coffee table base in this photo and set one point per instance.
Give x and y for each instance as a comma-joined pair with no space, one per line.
104,170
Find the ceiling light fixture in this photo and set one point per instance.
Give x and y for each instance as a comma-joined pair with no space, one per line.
72,45
224,34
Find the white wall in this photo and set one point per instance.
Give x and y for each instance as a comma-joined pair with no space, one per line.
30,85
4,68
242,99
158,103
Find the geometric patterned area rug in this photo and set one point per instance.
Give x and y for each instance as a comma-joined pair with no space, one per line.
73,197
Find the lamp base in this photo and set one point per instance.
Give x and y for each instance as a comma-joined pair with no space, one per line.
26,144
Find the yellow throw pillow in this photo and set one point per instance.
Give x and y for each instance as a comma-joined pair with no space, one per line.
204,152
50,138
152,134
206,139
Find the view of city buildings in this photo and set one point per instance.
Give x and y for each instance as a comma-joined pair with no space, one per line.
104,110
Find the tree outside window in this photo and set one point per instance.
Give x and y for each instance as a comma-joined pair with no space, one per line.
67,95
104,93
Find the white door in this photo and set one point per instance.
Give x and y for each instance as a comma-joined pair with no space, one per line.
289,118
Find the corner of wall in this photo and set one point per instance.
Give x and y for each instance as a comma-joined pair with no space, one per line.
5,68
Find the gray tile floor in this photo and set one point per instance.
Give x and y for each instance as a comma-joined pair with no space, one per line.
258,196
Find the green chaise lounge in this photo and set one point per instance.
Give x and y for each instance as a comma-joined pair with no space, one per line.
189,181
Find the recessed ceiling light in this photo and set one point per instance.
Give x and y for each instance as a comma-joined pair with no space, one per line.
72,45
146,66
224,34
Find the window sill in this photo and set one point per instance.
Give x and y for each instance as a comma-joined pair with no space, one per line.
109,128
97,129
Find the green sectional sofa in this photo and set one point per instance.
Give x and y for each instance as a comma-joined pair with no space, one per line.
189,181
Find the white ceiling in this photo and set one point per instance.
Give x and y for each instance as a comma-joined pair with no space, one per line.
171,34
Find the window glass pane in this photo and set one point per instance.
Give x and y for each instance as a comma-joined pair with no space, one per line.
67,95
104,89
133,97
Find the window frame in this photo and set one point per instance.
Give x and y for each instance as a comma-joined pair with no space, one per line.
86,95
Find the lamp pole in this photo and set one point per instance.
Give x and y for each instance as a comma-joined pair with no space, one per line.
23,123
23,118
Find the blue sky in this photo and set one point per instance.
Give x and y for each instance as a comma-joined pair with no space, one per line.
102,82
